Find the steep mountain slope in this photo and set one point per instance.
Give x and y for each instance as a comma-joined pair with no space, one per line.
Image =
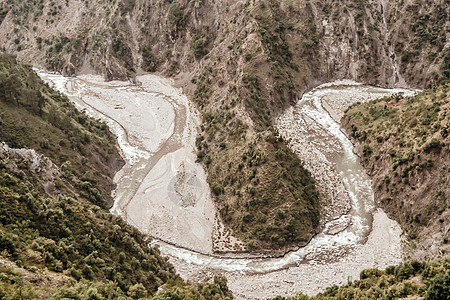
405,146
54,231
363,40
242,62
37,117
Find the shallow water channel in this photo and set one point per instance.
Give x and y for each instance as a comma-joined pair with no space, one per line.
335,149
365,237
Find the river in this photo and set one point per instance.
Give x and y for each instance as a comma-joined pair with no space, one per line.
163,192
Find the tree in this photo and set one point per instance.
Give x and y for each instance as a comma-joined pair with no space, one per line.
137,291
439,288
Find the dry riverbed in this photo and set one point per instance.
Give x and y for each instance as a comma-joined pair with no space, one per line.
160,190
163,192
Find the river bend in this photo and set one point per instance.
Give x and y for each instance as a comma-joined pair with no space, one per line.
163,192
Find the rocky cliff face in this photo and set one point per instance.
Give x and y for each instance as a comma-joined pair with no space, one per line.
388,43
378,41
241,62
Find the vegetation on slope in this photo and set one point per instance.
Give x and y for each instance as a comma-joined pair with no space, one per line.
430,280
421,39
262,190
37,117
87,252
52,218
71,235
404,144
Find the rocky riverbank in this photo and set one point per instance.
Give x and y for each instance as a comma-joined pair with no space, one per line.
336,255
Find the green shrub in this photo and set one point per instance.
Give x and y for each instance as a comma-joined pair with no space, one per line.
198,47
439,287
176,15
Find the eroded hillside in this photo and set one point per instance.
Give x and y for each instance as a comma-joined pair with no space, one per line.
241,62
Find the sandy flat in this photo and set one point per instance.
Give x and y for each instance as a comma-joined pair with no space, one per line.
161,189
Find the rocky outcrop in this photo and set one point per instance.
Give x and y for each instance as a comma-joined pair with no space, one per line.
378,41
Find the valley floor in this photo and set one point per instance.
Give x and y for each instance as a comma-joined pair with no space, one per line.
314,275
160,190
164,193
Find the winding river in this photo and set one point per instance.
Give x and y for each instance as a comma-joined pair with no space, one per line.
355,236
